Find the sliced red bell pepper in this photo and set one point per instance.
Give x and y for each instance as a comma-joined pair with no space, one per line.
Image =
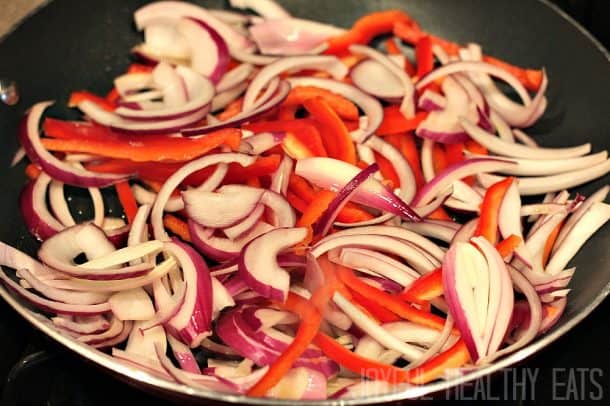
387,171
263,166
548,246
405,142
394,121
286,112
345,108
424,56
350,213
392,303
113,96
490,208
230,111
301,188
335,136
304,130
393,49
366,28
530,78
296,202
454,357
177,226
475,147
128,201
439,214
77,97
439,159
32,171
378,312
454,154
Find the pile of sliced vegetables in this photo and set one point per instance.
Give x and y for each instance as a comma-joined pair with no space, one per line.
290,197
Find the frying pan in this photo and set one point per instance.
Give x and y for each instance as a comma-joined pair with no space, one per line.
73,44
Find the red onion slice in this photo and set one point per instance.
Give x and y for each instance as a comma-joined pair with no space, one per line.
183,355
32,203
378,263
134,304
258,143
209,51
29,137
334,174
265,8
165,40
234,77
438,229
82,325
239,230
301,383
407,106
329,64
258,265
375,79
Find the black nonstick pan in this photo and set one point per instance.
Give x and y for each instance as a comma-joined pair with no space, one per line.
72,44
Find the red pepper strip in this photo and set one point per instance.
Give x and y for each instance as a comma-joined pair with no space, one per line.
295,148
439,159
301,188
303,129
387,171
548,246
128,201
488,219
475,147
263,166
32,171
349,214
233,109
435,367
80,96
113,96
391,47
74,129
424,56
177,226
378,312
139,68
296,202
394,121
287,112
430,285
335,137
147,149
392,303
310,324
342,106
454,154
439,214
406,145
530,78
366,28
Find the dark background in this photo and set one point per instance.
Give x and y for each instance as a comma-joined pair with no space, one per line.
29,373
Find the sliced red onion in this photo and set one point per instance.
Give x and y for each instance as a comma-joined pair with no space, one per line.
466,231
442,230
245,116
233,18
192,321
407,106
209,51
172,11
223,208
58,204
594,218
343,196
134,304
54,306
259,317
221,298
375,79
509,216
551,318
431,101
258,265
166,306
29,137
599,196
181,80
165,40
19,155
60,250
544,184
259,143
279,180
265,8
334,174
247,56
479,293
378,263
223,99
174,181
329,64
300,383
183,355
455,172
523,138
283,213
132,83
82,325
240,229
115,329
32,203
234,77
223,249
146,197
369,105
444,126
427,164
291,36
501,147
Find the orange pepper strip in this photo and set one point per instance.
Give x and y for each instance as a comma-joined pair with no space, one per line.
391,47
77,97
395,122
345,108
387,170
32,171
366,28
286,112
475,147
231,110
392,303
113,96
335,136
530,78
548,246
488,219
128,201
439,214
439,159
377,311
349,214
296,202
177,226
301,188
304,130
148,148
